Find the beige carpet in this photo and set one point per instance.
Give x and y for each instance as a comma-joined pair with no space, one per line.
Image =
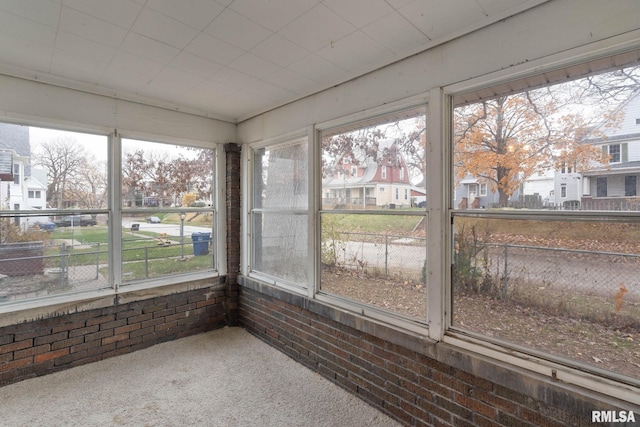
222,378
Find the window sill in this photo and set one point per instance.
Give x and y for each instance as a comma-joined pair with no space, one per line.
24,311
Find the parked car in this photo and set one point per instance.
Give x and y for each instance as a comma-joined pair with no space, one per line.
422,204
153,220
75,220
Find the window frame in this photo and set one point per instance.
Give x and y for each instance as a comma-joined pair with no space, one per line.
248,255
420,327
554,367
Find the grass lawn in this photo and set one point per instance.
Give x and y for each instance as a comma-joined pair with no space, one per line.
375,224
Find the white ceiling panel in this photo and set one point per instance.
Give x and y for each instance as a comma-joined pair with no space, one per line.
229,59
122,13
80,24
194,13
317,28
154,50
43,12
360,12
279,50
166,30
272,14
237,30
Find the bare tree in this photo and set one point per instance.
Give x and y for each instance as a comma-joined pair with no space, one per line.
63,158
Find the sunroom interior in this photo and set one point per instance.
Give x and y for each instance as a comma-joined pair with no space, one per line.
432,205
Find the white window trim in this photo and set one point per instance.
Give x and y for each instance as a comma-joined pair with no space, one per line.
572,372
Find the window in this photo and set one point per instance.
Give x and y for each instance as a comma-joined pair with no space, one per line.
16,173
65,248
493,251
614,153
483,190
630,185
601,186
168,210
401,174
362,262
279,212
354,171
406,194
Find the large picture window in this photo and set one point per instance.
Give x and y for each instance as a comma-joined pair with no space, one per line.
554,277
279,214
168,210
373,242
54,237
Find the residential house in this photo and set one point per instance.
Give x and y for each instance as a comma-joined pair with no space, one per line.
24,188
615,186
365,182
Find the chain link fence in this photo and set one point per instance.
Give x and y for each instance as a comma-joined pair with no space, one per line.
399,257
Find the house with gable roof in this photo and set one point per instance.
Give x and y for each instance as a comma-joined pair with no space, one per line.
369,183
21,186
614,186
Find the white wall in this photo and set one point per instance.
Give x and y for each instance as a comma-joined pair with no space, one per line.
39,103
548,29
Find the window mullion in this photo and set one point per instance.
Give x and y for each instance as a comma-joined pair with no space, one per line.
115,209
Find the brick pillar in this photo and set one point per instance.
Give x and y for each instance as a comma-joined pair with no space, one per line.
233,230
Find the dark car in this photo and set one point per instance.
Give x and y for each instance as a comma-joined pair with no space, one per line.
422,204
74,220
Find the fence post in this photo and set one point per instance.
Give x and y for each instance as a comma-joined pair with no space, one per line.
63,267
98,262
146,262
386,255
505,279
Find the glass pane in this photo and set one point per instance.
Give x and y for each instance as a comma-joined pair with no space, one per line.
163,244
43,255
280,246
281,177
377,260
68,170
377,164
156,175
569,288
524,146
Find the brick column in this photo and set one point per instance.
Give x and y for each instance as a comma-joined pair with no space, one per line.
233,229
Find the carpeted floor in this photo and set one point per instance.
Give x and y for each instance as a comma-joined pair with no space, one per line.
221,378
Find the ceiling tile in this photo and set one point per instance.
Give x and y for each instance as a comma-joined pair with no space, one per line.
253,65
129,72
77,67
170,84
43,12
395,33
195,64
436,19
233,78
164,29
360,12
318,69
272,14
237,30
269,91
147,48
194,13
317,28
213,49
355,52
292,81
84,48
25,54
492,7
30,31
279,50
80,24
122,13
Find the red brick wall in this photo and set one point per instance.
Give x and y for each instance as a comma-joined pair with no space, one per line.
410,386
44,346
